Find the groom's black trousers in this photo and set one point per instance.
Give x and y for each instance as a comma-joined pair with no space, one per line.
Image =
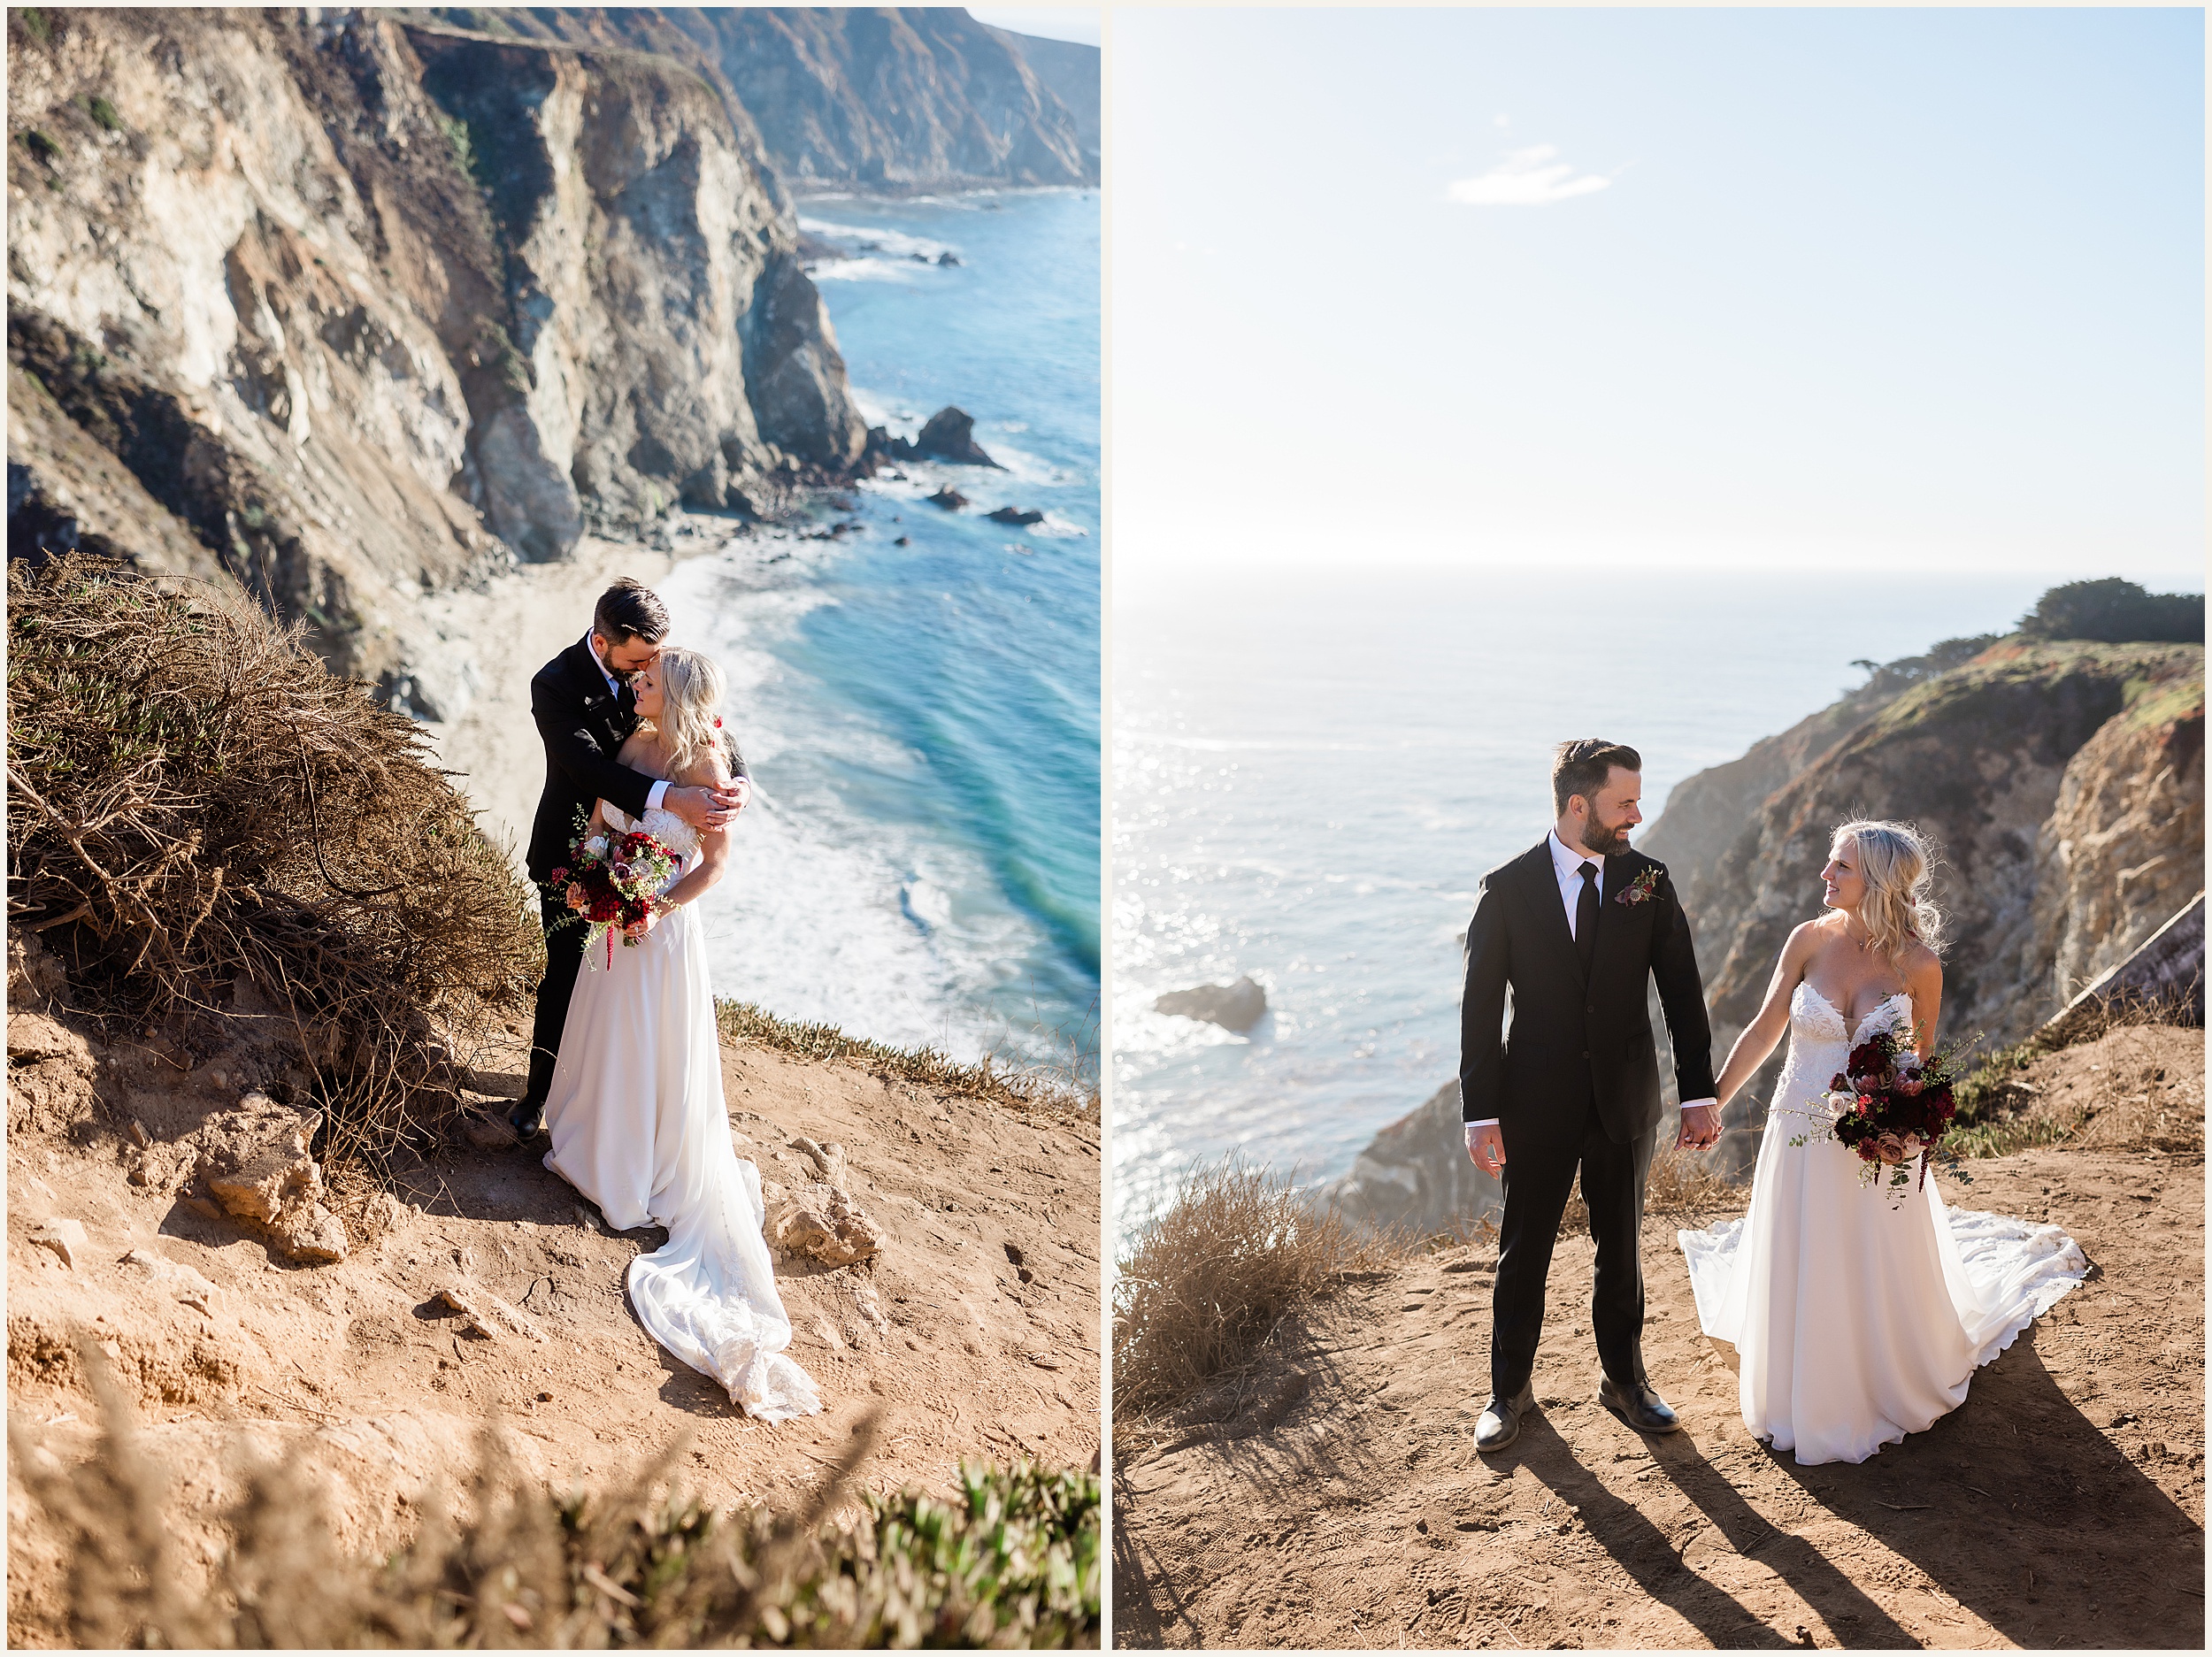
563,956
1540,1172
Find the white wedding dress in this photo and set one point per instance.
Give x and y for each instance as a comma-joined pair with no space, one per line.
638,1125
1855,1323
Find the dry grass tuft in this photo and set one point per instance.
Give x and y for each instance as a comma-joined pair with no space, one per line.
1012,1560
194,799
1026,1088
1208,1279
1683,1182
1993,1094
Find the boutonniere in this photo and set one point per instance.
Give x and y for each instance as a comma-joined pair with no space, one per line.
1641,888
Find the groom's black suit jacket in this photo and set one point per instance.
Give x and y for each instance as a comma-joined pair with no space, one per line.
1575,1037
584,726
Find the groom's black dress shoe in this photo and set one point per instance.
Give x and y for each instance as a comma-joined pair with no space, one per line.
1499,1423
1638,1404
526,1120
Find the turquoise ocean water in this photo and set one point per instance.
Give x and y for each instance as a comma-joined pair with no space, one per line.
1312,771
923,720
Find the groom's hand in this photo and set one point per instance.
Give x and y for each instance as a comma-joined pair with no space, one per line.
708,808
1486,1144
1701,1127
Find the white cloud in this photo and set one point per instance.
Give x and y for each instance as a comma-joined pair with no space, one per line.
1533,177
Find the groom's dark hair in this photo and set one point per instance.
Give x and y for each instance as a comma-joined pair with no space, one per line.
630,610
1581,767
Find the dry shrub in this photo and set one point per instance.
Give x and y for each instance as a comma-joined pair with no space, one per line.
1684,1182
1991,1093
1208,1279
194,799
1013,1559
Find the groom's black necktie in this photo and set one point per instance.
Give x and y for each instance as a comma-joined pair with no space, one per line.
1586,917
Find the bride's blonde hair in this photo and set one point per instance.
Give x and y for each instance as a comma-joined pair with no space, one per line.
691,693
1897,862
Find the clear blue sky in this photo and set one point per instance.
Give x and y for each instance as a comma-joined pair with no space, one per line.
1876,289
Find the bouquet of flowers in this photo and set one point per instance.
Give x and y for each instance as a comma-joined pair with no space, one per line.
608,883
1889,1099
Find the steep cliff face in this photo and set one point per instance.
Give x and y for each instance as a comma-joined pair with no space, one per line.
904,98
2124,848
369,311
2063,781
1071,71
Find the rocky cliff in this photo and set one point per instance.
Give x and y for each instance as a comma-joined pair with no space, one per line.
356,312
2063,781
907,98
884,99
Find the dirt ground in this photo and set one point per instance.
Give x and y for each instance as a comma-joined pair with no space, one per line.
379,1384
1331,1496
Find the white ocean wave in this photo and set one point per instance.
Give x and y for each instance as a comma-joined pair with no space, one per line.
869,270
897,243
827,914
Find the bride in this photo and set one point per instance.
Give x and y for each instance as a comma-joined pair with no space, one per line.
635,1108
1855,1323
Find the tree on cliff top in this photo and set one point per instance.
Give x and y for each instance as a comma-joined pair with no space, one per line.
2116,611
195,803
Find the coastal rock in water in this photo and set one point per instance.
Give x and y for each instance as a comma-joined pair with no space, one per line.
950,434
1015,516
821,1222
1237,1006
949,498
1416,1174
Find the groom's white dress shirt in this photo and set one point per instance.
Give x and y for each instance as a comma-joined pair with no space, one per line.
659,790
1566,865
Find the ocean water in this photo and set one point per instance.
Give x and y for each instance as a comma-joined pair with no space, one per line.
1312,771
923,720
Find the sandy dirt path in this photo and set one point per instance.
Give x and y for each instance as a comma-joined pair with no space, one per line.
378,1383
1331,1496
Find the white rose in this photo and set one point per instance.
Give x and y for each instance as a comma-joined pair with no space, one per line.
596,847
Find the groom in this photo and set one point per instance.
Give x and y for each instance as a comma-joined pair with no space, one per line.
585,710
1576,927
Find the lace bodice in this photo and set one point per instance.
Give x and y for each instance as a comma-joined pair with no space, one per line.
665,826
1814,1017
1820,1041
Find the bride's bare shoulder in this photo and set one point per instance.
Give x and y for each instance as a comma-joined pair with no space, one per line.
1807,937
1919,963
641,751
708,772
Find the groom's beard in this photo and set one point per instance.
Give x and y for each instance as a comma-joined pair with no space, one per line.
1604,842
